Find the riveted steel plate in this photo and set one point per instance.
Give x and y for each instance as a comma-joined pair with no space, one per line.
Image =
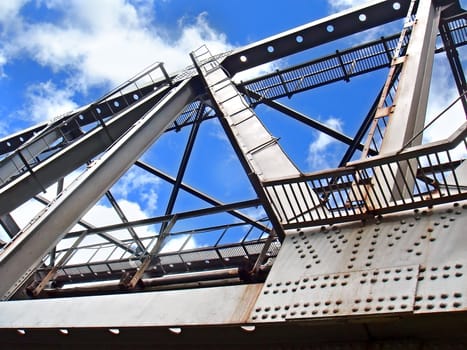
376,291
414,242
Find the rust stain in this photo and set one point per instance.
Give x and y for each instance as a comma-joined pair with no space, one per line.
246,302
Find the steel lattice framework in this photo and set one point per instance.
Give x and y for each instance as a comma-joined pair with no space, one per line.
370,253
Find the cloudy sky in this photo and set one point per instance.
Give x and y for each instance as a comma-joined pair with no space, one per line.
57,55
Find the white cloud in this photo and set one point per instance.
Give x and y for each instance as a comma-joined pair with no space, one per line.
95,44
46,101
108,41
318,151
9,10
137,183
339,5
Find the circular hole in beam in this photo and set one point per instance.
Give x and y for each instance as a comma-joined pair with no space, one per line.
270,49
243,59
115,331
330,28
362,17
299,39
175,330
396,6
21,331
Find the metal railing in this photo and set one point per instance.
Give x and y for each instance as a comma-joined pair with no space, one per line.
104,261
431,174
64,129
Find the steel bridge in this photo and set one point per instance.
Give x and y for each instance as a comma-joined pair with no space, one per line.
369,254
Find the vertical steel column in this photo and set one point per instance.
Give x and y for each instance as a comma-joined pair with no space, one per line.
408,112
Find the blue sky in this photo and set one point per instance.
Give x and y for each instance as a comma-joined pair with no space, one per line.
56,55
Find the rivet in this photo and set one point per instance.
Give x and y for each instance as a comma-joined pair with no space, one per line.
430,306
456,304
443,305
367,309
391,307
444,296
458,266
277,308
458,274
357,301
354,309
457,295
369,300
314,312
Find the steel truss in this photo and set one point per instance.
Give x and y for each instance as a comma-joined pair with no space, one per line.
42,156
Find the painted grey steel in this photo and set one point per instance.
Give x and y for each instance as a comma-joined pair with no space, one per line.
376,268
407,114
404,265
221,305
45,231
61,164
409,262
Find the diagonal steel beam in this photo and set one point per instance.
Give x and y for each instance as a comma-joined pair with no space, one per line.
183,164
87,225
307,120
201,195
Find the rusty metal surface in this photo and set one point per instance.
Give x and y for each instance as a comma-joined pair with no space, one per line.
411,262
